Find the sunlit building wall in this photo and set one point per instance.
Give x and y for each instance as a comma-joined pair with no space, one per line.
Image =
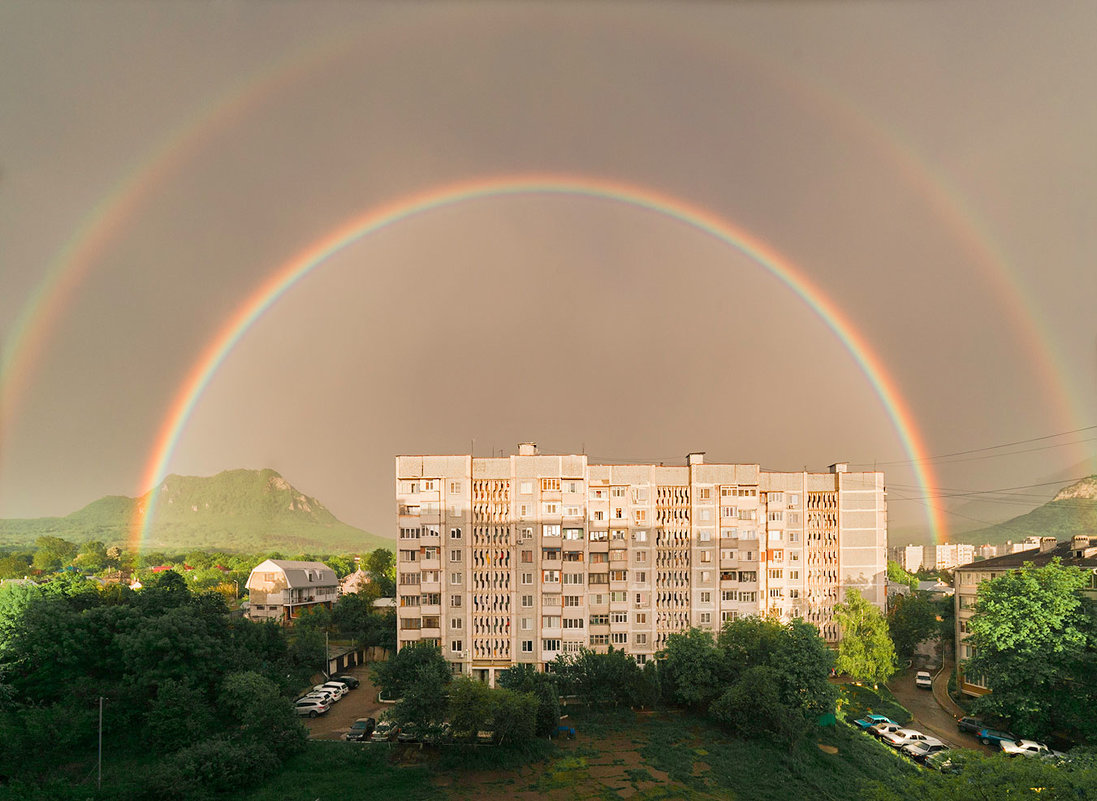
516,559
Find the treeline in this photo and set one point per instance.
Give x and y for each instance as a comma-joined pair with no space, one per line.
757,678
195,702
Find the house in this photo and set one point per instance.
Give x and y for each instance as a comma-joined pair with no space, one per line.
280,589
353,583
1079,551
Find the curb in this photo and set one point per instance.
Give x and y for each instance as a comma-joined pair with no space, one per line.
941,696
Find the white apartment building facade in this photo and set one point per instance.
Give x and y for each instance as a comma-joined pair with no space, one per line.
517,559
952,555
911,558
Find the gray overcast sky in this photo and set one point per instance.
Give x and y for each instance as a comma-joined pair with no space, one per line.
931,167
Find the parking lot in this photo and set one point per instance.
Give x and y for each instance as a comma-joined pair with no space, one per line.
360,703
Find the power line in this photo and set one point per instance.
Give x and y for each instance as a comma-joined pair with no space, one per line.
994,447
953,493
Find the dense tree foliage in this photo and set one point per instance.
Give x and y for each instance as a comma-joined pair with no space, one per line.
896,575
912,620
865,652
983,777
1035,641
206,693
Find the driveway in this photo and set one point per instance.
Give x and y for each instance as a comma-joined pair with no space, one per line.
360,703
929,717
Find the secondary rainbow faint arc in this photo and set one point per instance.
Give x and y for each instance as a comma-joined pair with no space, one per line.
376,218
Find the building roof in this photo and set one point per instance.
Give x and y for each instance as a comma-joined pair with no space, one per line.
1079,551
300,574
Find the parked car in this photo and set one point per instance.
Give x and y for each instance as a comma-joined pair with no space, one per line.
437,733
869,721
324,695
991,736
918,751
337,690
1026,748
897,739
943,762
880,729
361,730
311,707
350,681
923,679
970,725
408,734
386,730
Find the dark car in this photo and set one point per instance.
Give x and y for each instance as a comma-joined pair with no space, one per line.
994,736
350,681
361,729
970,725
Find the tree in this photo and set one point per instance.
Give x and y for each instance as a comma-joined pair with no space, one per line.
1035,641
865,652
912,619
695,669
392,677
53,553
381,566
527,679
424,697
897,575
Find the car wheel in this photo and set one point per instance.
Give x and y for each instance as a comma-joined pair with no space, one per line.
313,713
984,741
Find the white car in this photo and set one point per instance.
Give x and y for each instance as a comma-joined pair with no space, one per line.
325,696
920,749
1025,748
923,679
338,689
311,707
897,739
882,729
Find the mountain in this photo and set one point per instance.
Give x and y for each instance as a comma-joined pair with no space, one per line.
252,511
1072,511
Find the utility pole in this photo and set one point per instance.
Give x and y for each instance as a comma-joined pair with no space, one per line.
327,656
100,742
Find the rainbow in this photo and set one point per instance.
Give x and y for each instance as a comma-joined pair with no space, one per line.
437,197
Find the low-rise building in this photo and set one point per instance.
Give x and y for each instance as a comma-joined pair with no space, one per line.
1079,551
281,589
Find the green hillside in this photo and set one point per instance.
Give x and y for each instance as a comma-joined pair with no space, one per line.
238,510
1072,511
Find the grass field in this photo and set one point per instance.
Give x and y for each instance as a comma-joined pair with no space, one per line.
661,755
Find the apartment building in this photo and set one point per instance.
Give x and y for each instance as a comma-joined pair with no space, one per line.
953,554
517,559
912,557
1080,551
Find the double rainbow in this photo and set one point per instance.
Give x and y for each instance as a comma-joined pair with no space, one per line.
376,219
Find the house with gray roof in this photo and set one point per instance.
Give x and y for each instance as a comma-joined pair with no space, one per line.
281,589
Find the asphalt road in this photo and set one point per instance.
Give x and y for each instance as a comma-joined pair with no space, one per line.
929,718
360,703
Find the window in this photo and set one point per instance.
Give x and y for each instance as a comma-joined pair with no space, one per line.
728,615
748,575
599,620
573,533
705,493
640,515
550,485
776,573
409,556
433,598
598,493
748,514
550,554
455,533
618,575
550,645
748,597
618,513
573,600
597,598
619,637
527,557
550,600
617,535
706,618
794,499
571,486
641,617
640,494
525,624
454,578
572,511
550,531
641,577
455,555
777,592
793,518
727,595
409,578
455,601
705,535
775,517
618,596
794,575
550,621
456,623
573,622
599,639
527,601
573,556
599,515
525,487
454,487
409,533
527,646
550,576
523,510
409,600
728,511
618,492
619,617
456,646
640,536
706,556
428,485
706,597
550,508
573,578
527,578
641,639
598,558
597,578
704,515
641,556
